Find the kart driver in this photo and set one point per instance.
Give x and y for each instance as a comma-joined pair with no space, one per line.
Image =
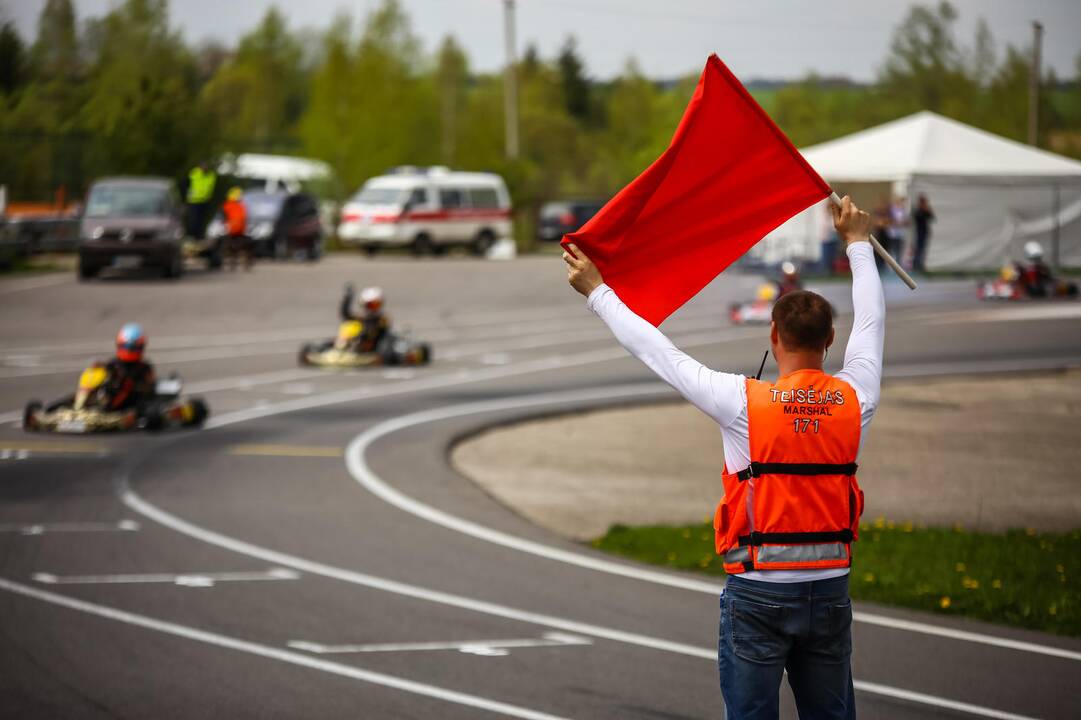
375,325
131,379
789,281
1035,276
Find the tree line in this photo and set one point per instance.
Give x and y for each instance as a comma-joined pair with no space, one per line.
124,93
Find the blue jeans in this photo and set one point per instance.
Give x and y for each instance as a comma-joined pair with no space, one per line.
804,628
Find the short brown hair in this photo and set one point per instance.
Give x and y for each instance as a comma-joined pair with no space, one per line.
804,320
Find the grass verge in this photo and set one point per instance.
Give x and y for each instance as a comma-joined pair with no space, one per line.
1021,578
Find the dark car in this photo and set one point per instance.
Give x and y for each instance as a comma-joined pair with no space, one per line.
131,222
567,216
280,224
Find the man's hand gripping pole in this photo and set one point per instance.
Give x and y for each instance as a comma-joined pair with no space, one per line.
896,266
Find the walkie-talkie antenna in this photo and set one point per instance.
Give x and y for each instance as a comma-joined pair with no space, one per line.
762,366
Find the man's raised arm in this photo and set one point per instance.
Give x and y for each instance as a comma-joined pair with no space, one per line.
863,355
717,394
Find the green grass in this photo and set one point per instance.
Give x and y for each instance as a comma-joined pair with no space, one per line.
1020,578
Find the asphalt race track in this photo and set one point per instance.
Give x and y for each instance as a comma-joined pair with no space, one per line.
310,554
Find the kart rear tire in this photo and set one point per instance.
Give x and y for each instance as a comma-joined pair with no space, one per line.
152,419
175,267
424,354
214,259
32,408
200,411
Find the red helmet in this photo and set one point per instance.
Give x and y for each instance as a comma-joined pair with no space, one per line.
130,343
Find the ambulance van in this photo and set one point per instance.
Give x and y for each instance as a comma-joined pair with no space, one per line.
428,210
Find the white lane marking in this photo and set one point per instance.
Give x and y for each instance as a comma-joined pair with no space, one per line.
195,580
67,527
296,388
136,503
14,286
272,653
1038,311
475,647
10,454
358,467
312,567
925,699
360,470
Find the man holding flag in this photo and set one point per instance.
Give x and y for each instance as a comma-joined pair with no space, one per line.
791,504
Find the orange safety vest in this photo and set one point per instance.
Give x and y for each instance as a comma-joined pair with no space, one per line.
236,217
797,506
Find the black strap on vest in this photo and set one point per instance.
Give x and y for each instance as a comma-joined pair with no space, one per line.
795,538
757,469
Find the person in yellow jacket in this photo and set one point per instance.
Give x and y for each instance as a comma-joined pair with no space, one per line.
201,182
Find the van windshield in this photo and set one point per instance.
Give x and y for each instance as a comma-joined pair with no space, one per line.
127,201
380,196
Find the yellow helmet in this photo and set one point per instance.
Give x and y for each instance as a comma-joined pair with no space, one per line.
767,292
235,193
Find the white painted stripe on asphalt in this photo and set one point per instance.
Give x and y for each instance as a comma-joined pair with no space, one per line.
925,699
66,527
358,467
547,640
363,474
136,503
14,286
272,653
183,579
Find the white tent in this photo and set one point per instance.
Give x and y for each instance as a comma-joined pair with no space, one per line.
990,195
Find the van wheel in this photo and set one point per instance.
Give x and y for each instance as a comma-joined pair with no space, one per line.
87,271
371,250
422,245
483,243
175,267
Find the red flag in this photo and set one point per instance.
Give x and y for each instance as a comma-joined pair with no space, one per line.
729,177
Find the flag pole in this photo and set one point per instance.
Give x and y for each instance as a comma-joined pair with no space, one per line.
883,254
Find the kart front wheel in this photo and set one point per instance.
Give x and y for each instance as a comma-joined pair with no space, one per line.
30,415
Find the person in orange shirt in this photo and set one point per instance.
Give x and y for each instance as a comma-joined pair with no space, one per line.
237,241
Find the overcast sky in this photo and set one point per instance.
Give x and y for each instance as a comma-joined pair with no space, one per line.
763,39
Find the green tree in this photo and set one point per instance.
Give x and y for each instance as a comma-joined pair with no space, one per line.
576,86
256,99
371,106
925,67
55,54
12,59
452,77
142,90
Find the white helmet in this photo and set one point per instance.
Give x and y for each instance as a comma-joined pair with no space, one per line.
788,268
1033,250
371,298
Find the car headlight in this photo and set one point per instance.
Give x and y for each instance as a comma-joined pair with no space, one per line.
97,233
263,230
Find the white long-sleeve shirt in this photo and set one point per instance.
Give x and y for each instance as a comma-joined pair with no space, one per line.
723,396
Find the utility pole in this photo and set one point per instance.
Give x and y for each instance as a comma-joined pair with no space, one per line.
510,83
1034,86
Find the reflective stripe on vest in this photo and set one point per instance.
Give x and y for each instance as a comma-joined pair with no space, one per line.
797,504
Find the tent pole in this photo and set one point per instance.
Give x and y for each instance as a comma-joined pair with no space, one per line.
882,253
1055,232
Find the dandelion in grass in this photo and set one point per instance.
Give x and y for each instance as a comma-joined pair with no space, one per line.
959,567
944,603
996,584
868,577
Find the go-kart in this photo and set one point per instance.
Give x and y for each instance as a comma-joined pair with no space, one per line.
85,411
341,353
1015,283
758,311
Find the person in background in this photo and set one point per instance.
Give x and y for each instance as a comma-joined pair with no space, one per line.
830,241
880,225
789,281
895,232
201,182
236,239
922,217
